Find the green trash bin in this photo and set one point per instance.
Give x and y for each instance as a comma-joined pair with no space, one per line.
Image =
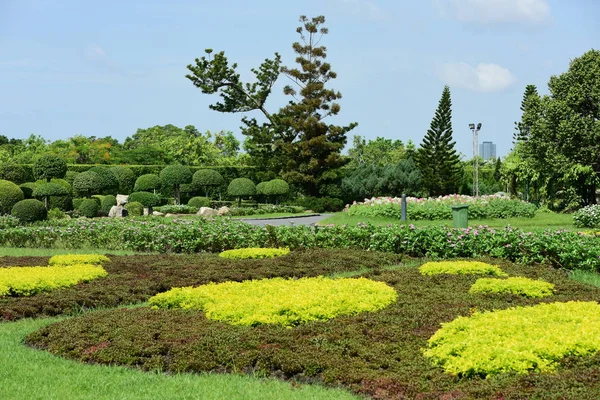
460,216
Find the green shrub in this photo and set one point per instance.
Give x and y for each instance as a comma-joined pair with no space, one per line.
110,183
287,302
199,202
134,208
145,198
173,176
516,285
89,207
56,213
460,268
278,188
125,177
78,259
107,203
28,188
254,252
147,183
320,204
88,183
13,172
520,339
10,194
207,179
587,217
177,209
49,166
8,221
241,187
70,177
264,209
48,189
29,210
77,203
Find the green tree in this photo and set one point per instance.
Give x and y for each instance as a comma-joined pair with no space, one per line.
173,176
437,158
530,102
49,166
207,179
380,151
241,187
296,142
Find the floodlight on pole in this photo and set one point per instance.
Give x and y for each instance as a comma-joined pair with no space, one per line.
475,157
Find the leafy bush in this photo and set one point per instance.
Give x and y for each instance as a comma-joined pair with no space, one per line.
147,199
206,179
264,209
516,285
125,178
28,188
107,203
77,259
10,194
520,339
8,221
287,302
13,172
49,166
241,187
147,183
89,207
77,203
27,281
29,210
199,202
134,208
587,217
110,183
320,204
256,252
56,213
173,176
460,268
177,209
88,183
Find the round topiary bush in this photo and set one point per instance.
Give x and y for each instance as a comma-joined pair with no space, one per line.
125,177
277,188
47,189
49,166
10,194
28,188
134,208
173,176
145,198
13,172
107,203
70,177
241,187
287,302
199,201
261,189
147,183
207,179
29,210
87,183
110,183
64,203
89,208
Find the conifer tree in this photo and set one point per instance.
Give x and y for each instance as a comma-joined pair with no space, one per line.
437,158
530,99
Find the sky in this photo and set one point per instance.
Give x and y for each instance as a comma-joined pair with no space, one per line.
108,68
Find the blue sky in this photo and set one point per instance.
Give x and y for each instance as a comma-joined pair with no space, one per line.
107,68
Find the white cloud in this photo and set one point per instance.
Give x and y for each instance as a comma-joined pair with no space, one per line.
482,78
495,11
97,54
367,8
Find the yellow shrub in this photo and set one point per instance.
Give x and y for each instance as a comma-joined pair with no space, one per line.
281,301
254,252
460,268
517,285
521,339
72,259
26,281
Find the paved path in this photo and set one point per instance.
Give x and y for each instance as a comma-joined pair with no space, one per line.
309,220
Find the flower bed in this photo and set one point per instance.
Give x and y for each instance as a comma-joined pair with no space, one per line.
287,302
74,259
460,268
439,208
521,339
515,285
254,252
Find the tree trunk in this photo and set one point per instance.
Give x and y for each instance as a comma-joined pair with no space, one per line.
240,201
47,203
177,195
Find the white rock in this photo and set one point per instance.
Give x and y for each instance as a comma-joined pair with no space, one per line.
223,210
122,199
207,212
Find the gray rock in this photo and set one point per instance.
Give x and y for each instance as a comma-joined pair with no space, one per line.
122,199
117,211
223,210
207,212
158,213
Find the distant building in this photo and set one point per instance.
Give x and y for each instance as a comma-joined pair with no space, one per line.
487,150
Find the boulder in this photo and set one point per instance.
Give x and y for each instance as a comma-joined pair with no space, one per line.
207,212
122,199
157,213
223,210
117,211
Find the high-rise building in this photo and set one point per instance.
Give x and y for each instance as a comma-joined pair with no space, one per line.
487,150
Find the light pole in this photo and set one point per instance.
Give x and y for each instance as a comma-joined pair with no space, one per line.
475,157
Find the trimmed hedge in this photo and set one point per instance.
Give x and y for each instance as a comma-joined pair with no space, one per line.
256,252
147,199
460,268
89,208
77,259
88,183
29,210
125,177
107,203
13,172
10,194
199,201
49,166
516,285
134,208
147,183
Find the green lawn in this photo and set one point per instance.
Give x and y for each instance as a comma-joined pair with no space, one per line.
273,215
537,223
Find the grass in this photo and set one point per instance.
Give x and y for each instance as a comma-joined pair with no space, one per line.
273,215
27,373
28,252
539,222
587,277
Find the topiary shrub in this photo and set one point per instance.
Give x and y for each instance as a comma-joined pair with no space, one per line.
147,183
254,252
49,166
107,203
89,208
29,210
13,172
145,198
199,201
78,259
207,179
28,188
77,203
516,285
70,177
56,213
241,187
10,194
262,190
47,189
87,183
125,177
277,188
110,183
134,208
173,176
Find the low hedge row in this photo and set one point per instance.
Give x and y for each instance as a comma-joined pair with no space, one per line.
515,285
253,252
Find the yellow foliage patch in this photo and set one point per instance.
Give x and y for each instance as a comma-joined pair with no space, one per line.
521,339
74,259
254,252
516,285
286,302
460,268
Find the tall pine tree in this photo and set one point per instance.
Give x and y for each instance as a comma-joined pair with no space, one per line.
437,158
531,99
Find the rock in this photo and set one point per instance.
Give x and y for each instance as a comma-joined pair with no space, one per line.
117,211
346,208
158,213
309,212
223,210
122,199
207,212
170,215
